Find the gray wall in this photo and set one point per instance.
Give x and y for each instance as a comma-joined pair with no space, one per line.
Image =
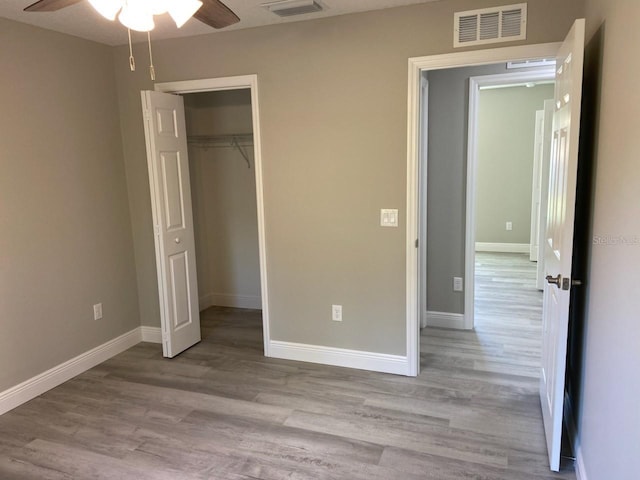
66,233
506,135
609,418
334,147
223,189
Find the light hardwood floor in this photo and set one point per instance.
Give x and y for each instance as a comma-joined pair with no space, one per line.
222,411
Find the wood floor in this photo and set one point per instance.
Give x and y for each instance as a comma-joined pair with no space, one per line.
221,411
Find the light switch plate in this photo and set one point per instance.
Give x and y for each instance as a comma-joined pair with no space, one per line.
97,311
389,217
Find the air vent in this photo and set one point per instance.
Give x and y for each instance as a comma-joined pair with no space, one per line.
490,25
289,8
540,62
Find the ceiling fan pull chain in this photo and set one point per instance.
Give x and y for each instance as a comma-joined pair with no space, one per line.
132,61
152,69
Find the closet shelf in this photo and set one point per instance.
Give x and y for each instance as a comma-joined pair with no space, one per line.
212,141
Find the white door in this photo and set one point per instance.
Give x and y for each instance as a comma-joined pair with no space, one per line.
559,236
549,108
538,148
165,132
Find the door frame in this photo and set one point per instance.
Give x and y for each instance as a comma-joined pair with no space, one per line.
416,65
475,83
240,82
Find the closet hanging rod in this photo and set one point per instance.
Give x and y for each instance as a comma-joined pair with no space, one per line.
236,141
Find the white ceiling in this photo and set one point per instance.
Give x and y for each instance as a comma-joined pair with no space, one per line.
82,21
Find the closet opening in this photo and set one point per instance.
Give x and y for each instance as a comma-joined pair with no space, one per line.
205,177
223,193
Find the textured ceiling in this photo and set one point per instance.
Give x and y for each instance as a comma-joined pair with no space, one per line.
82,21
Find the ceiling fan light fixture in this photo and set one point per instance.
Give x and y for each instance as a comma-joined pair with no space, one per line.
107,8
183,10
136,16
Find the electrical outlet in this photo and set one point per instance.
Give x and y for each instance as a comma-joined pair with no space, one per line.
509,226
336,313
97,311
457,284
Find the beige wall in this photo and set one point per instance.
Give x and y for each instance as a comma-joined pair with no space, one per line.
506,135
333,98
66,234
609,418
223,189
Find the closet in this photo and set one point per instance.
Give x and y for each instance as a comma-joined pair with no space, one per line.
223,190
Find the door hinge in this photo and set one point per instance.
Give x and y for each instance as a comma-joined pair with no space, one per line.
156,229
147,114
165,337
417,243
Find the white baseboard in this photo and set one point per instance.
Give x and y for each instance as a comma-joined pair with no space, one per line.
445,320
29,389
377,362
503,247
581,471
230,300
423,319
151,334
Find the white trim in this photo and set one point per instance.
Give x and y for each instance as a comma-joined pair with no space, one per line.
29,389
422,196
415,68
235,83
230,300
340,357
206,84
413,208
151,334
502,248
475,84
446,320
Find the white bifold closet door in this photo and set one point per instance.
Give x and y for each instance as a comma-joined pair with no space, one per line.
166,139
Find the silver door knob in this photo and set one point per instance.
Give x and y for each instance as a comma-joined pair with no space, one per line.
557,281
177,240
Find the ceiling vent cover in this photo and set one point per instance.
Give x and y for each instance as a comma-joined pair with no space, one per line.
490,25
289,8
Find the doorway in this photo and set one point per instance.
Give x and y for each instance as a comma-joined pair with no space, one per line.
417,234
235,143
505,176
558,243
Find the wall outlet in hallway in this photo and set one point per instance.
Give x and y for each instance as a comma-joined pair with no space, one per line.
97,311
509,226
457,284
336,313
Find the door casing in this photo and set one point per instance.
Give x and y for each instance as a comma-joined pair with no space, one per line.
414,250
236,83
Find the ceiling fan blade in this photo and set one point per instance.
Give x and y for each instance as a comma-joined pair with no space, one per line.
216,14
50,5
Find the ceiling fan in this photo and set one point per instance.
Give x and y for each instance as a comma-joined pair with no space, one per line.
212,12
